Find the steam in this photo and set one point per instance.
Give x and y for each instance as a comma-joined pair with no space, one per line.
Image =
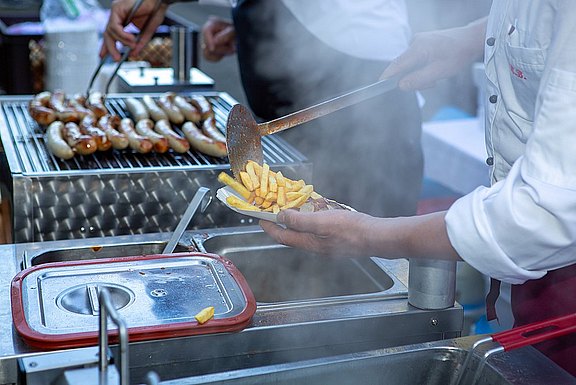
367,156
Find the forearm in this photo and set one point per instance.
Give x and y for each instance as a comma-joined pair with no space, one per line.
417,236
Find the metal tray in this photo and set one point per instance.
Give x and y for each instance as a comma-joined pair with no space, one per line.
55,305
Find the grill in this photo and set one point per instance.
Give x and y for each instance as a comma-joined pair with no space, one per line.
115,192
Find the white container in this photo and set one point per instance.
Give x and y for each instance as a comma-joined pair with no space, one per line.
71,56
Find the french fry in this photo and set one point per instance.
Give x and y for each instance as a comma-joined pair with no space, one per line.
256,167
281,197
250,170
264,179
272,184
296,202
280,180
246,180
266,190
205,314
234,201
237,186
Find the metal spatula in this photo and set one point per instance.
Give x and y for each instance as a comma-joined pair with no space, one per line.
243,134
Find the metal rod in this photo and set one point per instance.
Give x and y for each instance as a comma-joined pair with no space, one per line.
107,309
185,220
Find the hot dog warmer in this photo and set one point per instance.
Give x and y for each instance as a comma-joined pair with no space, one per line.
113,193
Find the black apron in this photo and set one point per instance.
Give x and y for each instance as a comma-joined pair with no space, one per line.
367,156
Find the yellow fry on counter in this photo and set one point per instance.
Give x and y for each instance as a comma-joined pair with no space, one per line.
205,314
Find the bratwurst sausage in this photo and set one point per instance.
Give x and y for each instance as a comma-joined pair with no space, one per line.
55,141
178,143
136,141
202,143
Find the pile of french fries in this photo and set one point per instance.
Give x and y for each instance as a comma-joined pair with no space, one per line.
266,190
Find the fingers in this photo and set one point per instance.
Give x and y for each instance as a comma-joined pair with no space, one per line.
218,39
405,65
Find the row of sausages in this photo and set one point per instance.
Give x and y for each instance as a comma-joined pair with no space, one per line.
76,126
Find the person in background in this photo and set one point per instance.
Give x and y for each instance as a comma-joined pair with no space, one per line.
293,54
522,229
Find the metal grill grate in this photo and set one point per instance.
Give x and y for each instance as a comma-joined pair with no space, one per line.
34,158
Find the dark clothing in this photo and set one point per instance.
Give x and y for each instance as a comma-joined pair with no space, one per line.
367,156
548,297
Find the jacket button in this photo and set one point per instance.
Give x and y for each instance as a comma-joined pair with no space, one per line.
493,99
490,161
490,41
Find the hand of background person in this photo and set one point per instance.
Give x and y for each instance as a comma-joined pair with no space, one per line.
219,39
119,12
332,232
438,55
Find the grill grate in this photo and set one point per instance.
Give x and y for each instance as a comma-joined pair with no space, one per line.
34,158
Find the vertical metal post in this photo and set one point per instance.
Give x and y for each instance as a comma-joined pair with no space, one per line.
182,53
106,308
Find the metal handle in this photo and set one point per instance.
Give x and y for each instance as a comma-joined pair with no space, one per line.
329,106
188,214
106,309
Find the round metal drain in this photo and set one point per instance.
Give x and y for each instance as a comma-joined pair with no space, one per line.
83,299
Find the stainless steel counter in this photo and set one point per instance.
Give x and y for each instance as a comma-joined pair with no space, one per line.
283,329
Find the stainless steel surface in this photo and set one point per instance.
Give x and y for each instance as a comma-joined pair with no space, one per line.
432,283
74,367
61,300
433,363
113,193
243,138
277,273
279,331
193,207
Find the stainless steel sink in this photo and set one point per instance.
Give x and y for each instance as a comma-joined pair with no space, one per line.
277,273
364,306
436,363
96,251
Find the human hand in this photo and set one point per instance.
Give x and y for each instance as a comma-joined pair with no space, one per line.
437,55
332,232
119,12
219,39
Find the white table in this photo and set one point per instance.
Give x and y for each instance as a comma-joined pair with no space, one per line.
455,154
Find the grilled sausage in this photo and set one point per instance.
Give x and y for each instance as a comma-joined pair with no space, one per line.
136,141
39,109
178,143
109,124
210,130
64,112
203,105
202,143
95,103
190,112
155,112
172,112
78,103
137,109
145,127
82,144
56,143
88,126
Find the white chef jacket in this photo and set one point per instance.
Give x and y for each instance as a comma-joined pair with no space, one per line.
368,29
525,223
